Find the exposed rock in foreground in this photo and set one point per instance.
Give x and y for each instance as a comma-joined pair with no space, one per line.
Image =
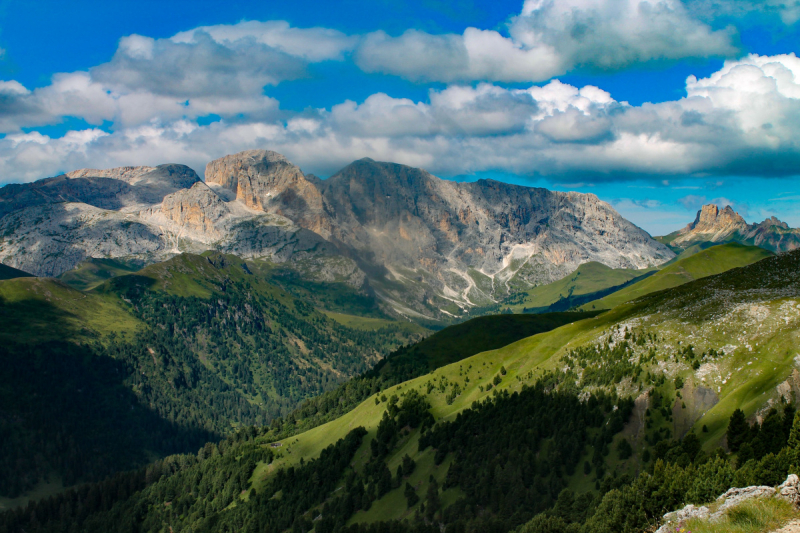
789,491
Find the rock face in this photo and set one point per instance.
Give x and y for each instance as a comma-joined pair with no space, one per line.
426,246
114,188
148,214
49,239
475,242
198,210
715,225
268,182
789,490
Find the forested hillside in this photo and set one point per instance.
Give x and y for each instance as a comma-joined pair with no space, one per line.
447,346
159,362
600,425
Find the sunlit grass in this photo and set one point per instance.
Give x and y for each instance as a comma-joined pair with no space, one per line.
761,515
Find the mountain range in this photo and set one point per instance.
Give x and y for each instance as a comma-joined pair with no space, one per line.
427,248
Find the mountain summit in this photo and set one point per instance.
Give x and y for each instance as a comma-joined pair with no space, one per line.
713,225
426,247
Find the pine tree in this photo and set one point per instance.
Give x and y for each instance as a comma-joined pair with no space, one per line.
794,443
432,499
411,495
794,434
738,430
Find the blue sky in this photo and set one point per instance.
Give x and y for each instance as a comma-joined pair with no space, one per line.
656,106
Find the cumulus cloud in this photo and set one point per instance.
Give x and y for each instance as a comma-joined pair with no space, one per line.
223,69
201,67
742,120
218,70
550,38
312,44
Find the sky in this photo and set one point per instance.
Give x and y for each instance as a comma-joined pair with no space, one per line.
655,106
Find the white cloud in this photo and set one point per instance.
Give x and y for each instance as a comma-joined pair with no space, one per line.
742,120
550,38
200,67
223,69
312,44
211,70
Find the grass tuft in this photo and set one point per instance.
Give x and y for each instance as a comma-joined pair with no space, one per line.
761,515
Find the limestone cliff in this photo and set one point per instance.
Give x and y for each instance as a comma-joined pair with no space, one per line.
267,181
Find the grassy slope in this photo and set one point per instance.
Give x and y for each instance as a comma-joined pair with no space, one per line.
589,278
697,265
93,272
667,239
480,334
759,515
7,272
712,313
201,276
36,310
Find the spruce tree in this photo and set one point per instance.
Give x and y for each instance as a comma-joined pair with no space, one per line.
738,430
432,499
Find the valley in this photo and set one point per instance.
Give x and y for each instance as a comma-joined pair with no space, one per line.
184,351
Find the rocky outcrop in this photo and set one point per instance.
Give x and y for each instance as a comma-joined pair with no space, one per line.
715,225
267,181
789,490
197,210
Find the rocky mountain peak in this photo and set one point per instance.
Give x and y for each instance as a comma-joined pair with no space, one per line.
426,244
165,176
113,188
267,181
712,219
774,221
716,225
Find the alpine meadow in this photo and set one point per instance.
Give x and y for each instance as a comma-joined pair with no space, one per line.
400,267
